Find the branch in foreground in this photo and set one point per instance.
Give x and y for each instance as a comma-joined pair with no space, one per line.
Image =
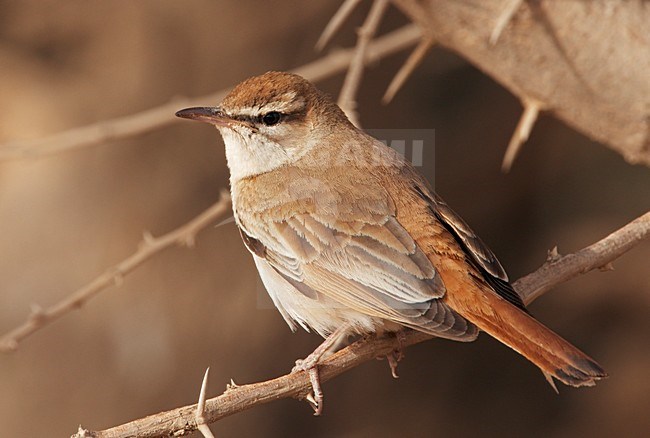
180,421
154,118
183,235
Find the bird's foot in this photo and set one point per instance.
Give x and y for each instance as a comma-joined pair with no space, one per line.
310,365
315,397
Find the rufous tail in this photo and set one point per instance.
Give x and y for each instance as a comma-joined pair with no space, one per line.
536,342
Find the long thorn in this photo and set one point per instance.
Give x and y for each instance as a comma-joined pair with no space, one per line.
200,408
522,132
502,21
407,68
336,22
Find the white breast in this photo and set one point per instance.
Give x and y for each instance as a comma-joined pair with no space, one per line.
322,315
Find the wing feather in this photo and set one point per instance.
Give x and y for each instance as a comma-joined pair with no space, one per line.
476,252
373,268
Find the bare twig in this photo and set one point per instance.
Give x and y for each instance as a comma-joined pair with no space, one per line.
522,132
347,97
378,48
149,246
239,398
503,19
163,115
105,131
336,22
409,66
599,255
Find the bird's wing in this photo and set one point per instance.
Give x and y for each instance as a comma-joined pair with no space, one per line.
476,252
365,260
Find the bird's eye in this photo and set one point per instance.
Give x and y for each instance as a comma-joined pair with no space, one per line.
271,118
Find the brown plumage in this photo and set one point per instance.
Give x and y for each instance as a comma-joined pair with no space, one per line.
344,232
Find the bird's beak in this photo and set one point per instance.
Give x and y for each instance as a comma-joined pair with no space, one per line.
214,116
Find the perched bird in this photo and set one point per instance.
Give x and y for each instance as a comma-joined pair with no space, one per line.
349,238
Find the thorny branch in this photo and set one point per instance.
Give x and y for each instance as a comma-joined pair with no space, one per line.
596,256
347,97
235,399
150,246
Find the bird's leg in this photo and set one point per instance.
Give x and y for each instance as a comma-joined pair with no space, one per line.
310,364
329,344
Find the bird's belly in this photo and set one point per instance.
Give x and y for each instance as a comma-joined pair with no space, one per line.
320,314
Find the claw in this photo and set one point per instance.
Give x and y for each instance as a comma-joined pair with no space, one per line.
312,401
393,360
315,397
314,377
396,355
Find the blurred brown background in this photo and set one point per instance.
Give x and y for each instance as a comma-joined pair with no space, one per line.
143,347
